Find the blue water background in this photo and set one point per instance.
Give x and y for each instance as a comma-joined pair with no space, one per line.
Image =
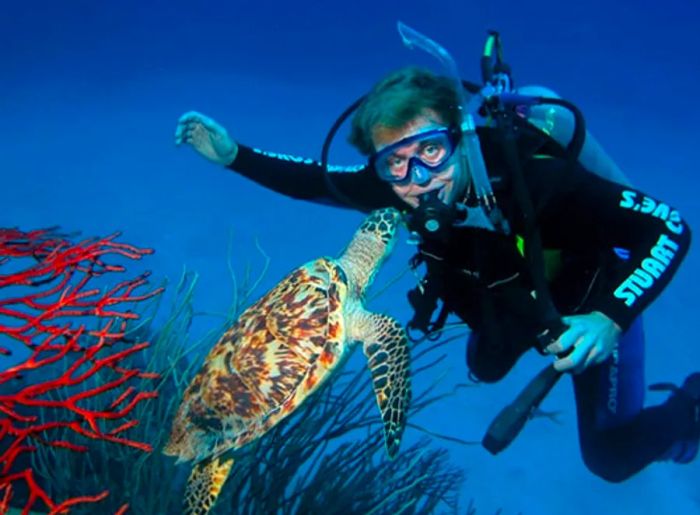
90,93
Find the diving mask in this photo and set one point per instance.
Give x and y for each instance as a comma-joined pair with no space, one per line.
416,158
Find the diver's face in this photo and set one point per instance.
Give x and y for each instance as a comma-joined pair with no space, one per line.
409,191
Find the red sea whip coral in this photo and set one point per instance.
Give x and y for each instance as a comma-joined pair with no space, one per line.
59,305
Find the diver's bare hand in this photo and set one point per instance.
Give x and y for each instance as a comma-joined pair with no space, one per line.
207,137
590,339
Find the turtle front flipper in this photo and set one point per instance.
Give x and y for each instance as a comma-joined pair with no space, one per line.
204,485
388,357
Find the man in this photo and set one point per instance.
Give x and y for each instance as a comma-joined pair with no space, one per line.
471,243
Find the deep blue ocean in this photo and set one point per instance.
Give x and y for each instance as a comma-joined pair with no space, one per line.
90,93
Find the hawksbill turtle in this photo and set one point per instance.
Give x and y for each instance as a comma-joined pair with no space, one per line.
281,349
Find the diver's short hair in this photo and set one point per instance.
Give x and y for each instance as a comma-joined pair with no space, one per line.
400,97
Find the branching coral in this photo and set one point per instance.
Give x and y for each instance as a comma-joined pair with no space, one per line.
66,321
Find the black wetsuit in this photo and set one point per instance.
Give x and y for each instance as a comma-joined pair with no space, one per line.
484,279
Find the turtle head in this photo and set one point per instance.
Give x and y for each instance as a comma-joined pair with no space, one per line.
188,441
370,246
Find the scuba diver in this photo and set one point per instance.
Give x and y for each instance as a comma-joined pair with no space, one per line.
533,243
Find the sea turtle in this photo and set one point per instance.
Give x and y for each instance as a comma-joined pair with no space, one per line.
281,349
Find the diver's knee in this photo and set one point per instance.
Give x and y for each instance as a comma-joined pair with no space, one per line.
483,367
605,466
485,375
608,474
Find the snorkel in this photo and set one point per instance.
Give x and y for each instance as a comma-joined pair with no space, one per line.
434,213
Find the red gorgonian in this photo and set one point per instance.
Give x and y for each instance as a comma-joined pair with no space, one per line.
63,323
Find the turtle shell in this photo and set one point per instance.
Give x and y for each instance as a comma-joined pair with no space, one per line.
278,352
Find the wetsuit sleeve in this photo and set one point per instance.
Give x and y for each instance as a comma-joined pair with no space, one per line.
578,210
300,178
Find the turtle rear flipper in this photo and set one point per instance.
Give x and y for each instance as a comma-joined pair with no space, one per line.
204,485
386,347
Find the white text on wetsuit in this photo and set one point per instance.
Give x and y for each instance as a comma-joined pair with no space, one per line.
662,253
651,207
648,271
307,161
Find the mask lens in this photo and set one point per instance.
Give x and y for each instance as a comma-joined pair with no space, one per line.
432,149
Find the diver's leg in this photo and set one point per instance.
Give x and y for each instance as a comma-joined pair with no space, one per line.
618,436
486,362
490,356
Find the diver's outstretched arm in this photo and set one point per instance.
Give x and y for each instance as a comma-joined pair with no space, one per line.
356,187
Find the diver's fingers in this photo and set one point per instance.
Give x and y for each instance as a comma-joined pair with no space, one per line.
563,364
179,133
184,123
577,369
566,341
192,131
197,117
188,132
190,116
603,352
183,134
576,359
570,361
188,122
593,358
